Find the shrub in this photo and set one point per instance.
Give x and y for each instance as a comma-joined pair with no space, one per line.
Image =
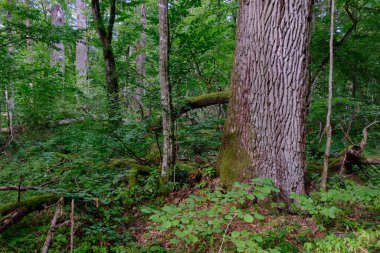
334,206
205,221
360,241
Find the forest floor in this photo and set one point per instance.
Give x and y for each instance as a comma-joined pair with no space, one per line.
114,215
292,230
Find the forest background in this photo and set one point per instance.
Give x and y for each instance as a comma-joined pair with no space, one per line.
71,129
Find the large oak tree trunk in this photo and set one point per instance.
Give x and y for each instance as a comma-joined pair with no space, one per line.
264,133
167,119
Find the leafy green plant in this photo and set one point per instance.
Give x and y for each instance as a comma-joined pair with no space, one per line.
360,241
207,174
335,205
205,221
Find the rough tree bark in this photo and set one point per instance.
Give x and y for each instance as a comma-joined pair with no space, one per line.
167,119
140,62
329,102
264,133
81,48
58,52
105,36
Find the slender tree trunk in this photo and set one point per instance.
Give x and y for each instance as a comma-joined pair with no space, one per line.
29,41
264,133
58,53
81,48
10,89
337,45
128,77
353,85
329,102
1,112
140,63
167,120
10,107
109,59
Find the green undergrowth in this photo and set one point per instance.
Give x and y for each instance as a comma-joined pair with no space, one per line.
77,160
112,174
343,219
202,223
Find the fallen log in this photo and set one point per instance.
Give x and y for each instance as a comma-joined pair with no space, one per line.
370,160
189,103
135,169
192,103
347,160
13,213
352,155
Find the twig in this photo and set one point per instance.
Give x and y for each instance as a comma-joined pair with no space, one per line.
128,150
342,167
225,232
53,227
20,188
337,44
346,136
363,143
50,182
72,226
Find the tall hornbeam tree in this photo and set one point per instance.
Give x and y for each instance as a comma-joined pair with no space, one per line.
140,62
167,110
58,52
264,133
81,47
329,100
9,88
29,41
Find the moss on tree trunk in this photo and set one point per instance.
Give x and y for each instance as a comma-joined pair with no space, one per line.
234,163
